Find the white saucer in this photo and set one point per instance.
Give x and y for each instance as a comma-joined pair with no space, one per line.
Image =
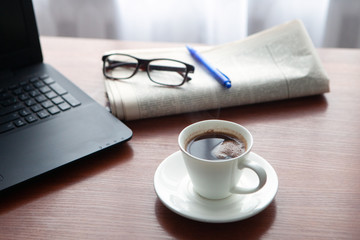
174,188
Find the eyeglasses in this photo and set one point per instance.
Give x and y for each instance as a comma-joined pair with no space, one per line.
162,71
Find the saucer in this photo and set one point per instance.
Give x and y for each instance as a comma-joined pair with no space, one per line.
174,189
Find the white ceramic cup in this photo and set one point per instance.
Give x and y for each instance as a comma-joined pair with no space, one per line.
218,179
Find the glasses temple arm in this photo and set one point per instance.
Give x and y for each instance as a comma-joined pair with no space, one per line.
115,64
180,70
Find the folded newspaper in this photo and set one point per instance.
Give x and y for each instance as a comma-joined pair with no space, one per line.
278,63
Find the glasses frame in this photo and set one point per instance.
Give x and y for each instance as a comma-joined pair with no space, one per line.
144,65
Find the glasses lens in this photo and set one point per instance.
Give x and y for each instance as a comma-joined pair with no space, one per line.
167,72
120,66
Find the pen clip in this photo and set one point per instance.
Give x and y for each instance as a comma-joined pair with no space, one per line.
223,74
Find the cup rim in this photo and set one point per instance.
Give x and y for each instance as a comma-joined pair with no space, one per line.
249,143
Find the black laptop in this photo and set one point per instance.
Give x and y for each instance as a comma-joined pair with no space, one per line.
45,120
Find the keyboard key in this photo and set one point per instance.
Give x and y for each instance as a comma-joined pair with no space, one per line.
30,102
47,104
19,123
34,93
40,98
28,88
39,84
44,89
4,95
33,79
24,112
57,100
12,87
43,114
24,82
58,89
23,97
49,80
36,108
30,118
18,91
54,110
9,109
8,118
6,127
71,100
51,94
64,106
44,76
9,101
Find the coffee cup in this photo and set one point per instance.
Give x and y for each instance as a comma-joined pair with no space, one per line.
215,153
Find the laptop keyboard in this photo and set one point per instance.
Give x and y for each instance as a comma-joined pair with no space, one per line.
32,100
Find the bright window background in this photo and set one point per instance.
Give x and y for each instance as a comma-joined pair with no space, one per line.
330,23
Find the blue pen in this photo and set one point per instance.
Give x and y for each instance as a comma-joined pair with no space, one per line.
219,76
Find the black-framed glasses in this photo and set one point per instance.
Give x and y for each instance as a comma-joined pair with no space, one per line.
164,71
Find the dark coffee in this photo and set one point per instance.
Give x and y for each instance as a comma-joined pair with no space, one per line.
216,146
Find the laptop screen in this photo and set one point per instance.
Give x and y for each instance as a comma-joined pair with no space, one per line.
19,41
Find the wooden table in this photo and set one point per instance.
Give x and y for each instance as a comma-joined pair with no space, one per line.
313,143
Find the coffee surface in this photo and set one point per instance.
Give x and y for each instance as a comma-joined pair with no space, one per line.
216,146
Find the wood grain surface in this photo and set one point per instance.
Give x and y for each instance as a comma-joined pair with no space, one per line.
313,143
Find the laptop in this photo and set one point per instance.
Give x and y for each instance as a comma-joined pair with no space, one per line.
45,120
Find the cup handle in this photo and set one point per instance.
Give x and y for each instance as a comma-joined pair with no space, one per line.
260,172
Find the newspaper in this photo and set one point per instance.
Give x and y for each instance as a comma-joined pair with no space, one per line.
278,63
